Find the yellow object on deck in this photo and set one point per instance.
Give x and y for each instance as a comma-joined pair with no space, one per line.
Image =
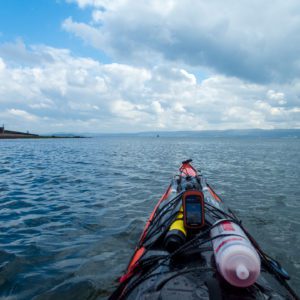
178,224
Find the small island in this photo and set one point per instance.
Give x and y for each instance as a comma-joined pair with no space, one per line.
10,134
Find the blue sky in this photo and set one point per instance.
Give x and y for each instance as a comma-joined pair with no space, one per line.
124,66
39,22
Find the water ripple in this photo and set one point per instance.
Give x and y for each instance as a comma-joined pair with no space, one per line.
72,210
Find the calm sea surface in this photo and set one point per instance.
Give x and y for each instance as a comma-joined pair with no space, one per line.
73,209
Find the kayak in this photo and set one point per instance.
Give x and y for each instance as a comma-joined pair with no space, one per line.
194,247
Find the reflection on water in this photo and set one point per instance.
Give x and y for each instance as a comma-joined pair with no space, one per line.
72,210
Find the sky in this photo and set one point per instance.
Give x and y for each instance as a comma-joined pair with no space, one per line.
107,66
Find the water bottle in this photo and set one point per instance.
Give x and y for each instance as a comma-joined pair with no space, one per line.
237,260
176,236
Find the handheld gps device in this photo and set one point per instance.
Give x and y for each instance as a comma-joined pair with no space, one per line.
193,209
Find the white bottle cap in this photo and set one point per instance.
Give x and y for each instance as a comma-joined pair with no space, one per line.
242,272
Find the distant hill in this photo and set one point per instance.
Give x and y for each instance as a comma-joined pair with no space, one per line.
275,133
244,133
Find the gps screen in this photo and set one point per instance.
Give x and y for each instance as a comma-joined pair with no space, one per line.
193,211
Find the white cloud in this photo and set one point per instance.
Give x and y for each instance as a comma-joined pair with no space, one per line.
278,97
127,110
22,114
97,16
178,108
89,34
257,41
2,65
55,91
157,108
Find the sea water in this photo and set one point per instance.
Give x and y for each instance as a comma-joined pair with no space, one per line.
72,210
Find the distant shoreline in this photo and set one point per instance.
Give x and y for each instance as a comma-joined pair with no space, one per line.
8,134
231,133
29,136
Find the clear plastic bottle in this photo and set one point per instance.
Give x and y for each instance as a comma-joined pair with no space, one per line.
237,260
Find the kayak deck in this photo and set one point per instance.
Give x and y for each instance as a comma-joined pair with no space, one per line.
190,271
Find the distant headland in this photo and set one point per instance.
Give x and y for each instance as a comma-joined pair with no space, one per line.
10,134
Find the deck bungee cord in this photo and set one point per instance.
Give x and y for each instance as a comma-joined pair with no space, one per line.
195,242
212,255
151,231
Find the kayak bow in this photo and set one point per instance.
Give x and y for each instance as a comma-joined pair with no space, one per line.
194,247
